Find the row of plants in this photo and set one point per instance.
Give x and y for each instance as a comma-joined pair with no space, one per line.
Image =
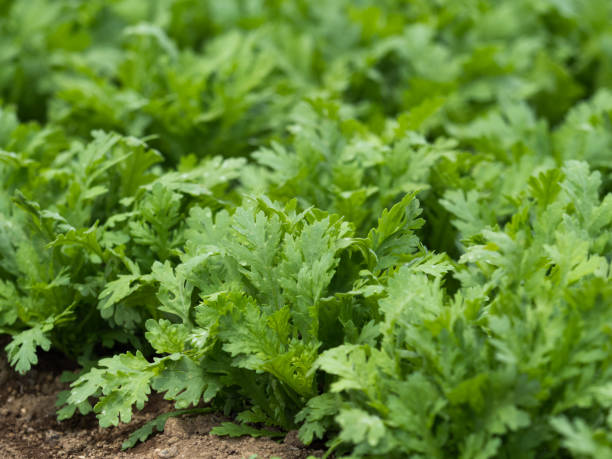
386,225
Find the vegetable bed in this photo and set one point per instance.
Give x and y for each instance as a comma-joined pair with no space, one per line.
386,226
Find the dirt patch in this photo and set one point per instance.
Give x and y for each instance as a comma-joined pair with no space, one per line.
30,429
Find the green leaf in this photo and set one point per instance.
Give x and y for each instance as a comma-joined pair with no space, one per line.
317,416
8,303
122,381
174,291
233,430
117,290
358,425
394,238
21,350
166,337
186,382
579,438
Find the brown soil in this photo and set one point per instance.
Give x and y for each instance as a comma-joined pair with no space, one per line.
29,428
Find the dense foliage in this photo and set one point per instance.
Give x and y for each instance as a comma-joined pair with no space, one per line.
386,224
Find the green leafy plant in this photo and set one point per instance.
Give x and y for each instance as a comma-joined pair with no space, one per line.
387,225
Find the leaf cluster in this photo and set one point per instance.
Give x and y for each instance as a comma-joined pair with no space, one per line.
387,225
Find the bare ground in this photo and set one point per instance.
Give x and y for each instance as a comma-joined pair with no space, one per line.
29,428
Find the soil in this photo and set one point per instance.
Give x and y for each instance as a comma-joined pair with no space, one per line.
29,428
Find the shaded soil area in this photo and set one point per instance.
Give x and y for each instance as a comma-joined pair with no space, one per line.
30,429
